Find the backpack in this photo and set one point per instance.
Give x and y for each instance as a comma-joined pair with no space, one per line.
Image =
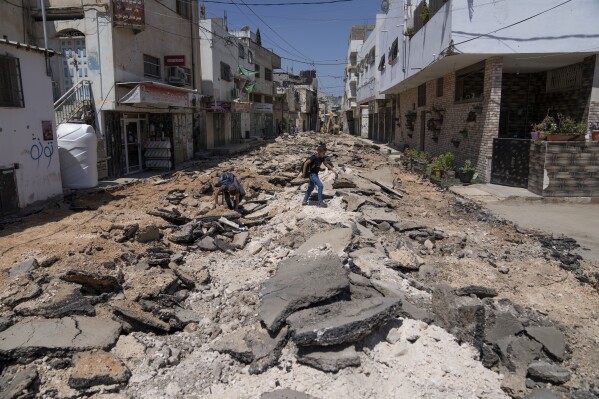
226,179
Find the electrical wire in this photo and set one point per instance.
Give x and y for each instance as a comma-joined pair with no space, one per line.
293,3
275,32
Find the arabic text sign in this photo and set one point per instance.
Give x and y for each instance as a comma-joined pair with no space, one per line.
130,13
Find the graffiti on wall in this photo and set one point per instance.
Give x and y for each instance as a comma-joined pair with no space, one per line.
39,150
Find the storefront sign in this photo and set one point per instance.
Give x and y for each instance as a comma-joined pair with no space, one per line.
217,106
265,108
174,60
241,107
158,96
129,13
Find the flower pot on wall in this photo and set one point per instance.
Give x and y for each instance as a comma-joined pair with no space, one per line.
534,135
565,137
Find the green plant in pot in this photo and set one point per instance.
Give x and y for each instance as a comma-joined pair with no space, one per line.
467,172
566,129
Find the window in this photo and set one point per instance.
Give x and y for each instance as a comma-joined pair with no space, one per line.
470,83
184,8
268,74
382,63
268,99
152,66
440,87
422,95
11,90
241,50
257,69
225,72
393,51
250,57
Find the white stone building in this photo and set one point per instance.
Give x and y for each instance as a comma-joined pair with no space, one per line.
29,165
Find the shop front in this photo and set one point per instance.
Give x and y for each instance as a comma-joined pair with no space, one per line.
151,128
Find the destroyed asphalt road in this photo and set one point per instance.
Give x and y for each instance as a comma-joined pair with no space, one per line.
397,289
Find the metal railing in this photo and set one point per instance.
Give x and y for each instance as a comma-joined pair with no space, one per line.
75,104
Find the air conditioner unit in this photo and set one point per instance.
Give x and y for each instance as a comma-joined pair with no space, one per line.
176,76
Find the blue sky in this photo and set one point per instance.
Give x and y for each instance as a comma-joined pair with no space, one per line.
315,32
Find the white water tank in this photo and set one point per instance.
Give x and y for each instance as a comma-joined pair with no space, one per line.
78,155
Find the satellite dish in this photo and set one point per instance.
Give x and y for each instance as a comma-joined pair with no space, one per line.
385,6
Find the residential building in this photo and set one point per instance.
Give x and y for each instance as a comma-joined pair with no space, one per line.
262,95
351,114
472,80
302,93
130,69
29,164
227,72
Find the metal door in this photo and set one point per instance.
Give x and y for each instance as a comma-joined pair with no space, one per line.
9,199
131,146
218,120
235,127
510,165
74,61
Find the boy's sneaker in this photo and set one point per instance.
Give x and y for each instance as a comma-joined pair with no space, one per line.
304,203
322,204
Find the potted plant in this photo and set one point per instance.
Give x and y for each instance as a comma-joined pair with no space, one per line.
447,160
464,132
543,128
411,119
409,32
435,167
467,172
455,141
567,129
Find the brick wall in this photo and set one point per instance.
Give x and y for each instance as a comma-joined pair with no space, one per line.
567,169
477,146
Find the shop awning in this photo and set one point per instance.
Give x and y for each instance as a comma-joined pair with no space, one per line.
156,94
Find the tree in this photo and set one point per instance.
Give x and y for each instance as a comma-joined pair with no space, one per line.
258,37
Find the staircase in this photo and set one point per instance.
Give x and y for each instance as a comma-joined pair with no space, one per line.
76,105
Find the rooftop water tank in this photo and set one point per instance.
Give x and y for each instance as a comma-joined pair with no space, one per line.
78,155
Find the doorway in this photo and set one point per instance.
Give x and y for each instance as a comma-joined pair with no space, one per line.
131,142
422,130
9,198
74,64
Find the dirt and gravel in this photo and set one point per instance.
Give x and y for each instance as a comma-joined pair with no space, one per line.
146,291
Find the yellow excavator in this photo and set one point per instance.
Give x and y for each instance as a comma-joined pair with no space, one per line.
329,123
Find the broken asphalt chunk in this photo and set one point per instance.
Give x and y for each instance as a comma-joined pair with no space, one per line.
59,299
300,281
331,359
547,372
338,239
93,283
97,368
341,322
32,336
476,290
551,338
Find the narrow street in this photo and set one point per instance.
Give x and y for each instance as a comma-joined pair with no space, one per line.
396,289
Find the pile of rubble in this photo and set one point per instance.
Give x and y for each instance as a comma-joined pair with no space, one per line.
156,294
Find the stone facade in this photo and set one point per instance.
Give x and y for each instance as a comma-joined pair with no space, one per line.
459,133
564,169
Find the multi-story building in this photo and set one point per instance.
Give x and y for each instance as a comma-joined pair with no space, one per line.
130,69
351,113
473,79
264,62
302,93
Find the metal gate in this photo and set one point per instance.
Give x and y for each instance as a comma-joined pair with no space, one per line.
510,162
9,200
235,127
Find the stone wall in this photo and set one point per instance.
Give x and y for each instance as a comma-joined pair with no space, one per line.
477,143
564,169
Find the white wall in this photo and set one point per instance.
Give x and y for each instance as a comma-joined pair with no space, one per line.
369,79
392,28
568,28
21,139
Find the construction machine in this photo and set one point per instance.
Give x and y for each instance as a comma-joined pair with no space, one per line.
329,123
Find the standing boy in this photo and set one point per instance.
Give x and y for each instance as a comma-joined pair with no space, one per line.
310,170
